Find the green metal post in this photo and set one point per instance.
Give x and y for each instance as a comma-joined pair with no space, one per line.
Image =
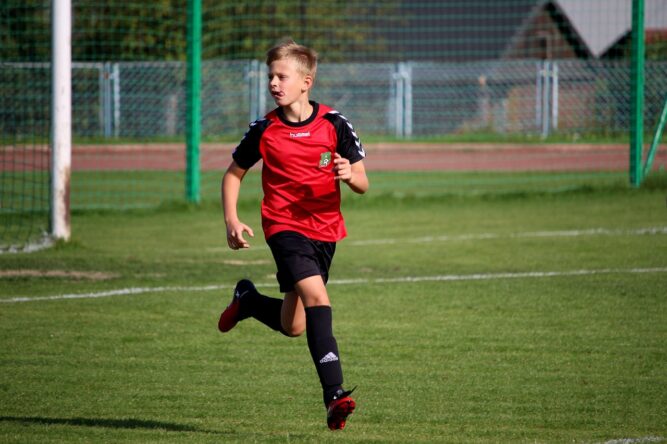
637,93
193,120
656,140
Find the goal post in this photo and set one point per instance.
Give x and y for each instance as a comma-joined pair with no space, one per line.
61,118
193,93
637,93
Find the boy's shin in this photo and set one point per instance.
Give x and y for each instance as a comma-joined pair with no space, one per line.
324,350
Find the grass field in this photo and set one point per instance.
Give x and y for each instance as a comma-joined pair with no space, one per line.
504,314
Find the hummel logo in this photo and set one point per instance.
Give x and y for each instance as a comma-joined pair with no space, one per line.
329,357
299,135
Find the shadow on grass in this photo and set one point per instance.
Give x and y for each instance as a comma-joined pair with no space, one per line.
128,423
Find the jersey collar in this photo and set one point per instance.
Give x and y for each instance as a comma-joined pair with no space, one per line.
281,116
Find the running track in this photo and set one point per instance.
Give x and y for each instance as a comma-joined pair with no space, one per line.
381,157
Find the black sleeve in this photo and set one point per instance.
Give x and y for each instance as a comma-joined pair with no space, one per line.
247,152
349,146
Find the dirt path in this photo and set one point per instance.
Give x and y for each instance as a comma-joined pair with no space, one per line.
381,157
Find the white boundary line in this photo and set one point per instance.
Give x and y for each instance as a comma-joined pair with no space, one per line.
398,280
533,234
484,236
644,439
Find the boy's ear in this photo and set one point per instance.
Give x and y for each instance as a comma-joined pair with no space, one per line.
307,82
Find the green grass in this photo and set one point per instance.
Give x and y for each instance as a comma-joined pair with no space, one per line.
447,336
479,136
146,189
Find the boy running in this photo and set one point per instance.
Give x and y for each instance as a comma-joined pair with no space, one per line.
307,149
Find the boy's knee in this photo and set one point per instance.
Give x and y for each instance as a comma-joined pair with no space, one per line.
294,330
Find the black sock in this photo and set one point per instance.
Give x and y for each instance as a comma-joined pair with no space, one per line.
265,309
324,350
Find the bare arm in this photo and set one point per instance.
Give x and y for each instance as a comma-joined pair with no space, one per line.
231,185
354,175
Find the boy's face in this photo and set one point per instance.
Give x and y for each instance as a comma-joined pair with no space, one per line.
286,83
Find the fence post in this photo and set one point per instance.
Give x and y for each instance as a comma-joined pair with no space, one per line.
402,78
61,118
546,90
193,87
262,87
107,99
399,84
100,94
554,95
250,78
637,93
116,100
256,87
538,94
407,101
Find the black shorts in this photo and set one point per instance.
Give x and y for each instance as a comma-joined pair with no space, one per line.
298,257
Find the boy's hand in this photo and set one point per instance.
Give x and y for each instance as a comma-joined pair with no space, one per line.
342,168
354,175
235,238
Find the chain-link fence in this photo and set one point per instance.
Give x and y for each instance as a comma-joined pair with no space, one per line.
146,100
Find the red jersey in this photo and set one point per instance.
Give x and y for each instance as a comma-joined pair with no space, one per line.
300,192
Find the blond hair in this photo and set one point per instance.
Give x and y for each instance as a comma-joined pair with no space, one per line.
305,58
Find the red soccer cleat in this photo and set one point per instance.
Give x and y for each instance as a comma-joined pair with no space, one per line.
340,407
232,314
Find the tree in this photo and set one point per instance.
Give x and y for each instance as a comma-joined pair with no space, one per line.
25,30
157,30
340,30
129,31
656,49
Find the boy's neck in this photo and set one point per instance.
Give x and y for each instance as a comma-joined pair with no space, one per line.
298,111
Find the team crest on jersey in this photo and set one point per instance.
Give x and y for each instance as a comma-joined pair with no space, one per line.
325,159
